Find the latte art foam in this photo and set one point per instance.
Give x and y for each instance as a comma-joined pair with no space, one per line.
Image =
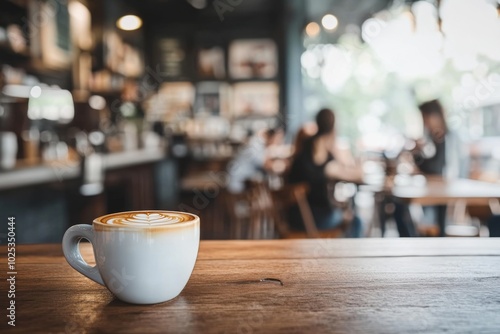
146,219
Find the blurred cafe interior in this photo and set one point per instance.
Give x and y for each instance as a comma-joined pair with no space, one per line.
268,119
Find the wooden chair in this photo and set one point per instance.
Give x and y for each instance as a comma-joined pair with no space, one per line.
296,194
262,213
251,212
266,213
234,205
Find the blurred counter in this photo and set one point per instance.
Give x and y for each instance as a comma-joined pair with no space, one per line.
60,170
47,199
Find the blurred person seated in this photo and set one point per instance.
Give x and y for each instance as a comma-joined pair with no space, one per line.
253,160
316,164
439,153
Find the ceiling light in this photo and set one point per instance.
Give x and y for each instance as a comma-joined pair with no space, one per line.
129,22
329,22
312,29
35,92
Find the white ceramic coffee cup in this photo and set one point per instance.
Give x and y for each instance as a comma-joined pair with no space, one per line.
142,257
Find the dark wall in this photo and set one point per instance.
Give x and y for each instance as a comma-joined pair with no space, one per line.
281,20
200,28
206,27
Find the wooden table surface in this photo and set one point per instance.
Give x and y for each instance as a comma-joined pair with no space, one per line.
329,286
438,191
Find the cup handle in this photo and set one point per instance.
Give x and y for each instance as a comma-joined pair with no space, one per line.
70,242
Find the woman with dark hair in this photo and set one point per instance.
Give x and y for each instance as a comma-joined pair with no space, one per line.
316,165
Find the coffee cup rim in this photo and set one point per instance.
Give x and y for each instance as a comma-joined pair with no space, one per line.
194,219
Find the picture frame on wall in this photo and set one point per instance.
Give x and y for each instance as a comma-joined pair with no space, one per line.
253,59
121,57
255,99
211,99
172,58
211,63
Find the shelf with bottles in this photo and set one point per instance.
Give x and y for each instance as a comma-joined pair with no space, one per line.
215,98
22,45
13,42
106,82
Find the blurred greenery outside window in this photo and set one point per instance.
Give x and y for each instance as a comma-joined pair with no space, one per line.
375,76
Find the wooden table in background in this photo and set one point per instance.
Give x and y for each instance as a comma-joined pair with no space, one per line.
438,191
329,286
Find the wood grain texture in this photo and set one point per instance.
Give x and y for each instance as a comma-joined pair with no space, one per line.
330,286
